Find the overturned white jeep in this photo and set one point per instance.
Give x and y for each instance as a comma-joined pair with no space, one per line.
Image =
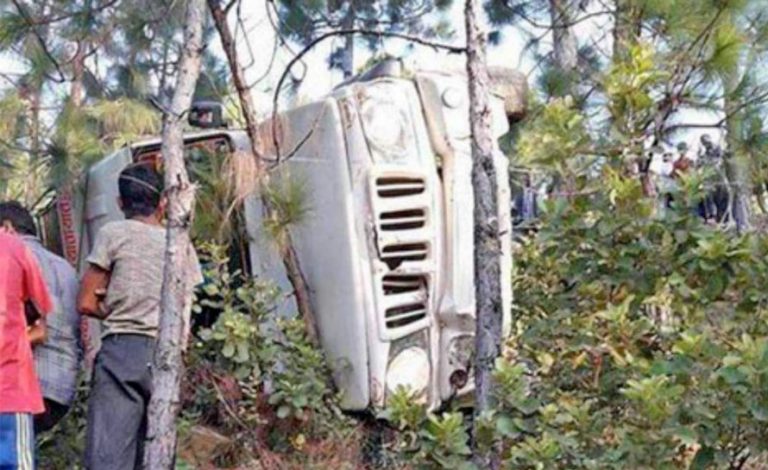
387,250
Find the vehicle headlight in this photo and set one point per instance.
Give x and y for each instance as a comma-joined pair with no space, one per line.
409,369
386,126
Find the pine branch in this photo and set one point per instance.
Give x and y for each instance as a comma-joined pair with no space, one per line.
560,24
232,3
16,147
276,26
65,16
758,99
23,12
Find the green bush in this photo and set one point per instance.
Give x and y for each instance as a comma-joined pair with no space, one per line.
426,440
253,373
64,445
641,342
644,338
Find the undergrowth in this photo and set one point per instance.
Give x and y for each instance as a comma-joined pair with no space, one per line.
254,377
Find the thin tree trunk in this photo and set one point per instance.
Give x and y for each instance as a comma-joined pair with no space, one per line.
488,329
76,94
162,91
76,98
33,113
348,60
35,143
175,305
627,29
621,30
565,46
565,52
288,254
736,162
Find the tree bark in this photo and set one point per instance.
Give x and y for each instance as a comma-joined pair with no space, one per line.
565,46
488,306
76,94
175,305
35,142
736,161
288,254
348,60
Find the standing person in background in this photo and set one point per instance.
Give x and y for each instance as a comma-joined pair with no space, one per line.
526,200
126,263
20,398
667,184
715,204
58,359
683,163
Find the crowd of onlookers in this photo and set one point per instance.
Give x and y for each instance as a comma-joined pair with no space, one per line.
41,304
665,176
662,172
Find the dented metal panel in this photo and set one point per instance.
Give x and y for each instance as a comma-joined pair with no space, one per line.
325,241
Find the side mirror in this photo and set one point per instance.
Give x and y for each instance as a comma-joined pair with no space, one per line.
206,115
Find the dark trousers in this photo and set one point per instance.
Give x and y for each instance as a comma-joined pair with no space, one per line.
117,407
54,412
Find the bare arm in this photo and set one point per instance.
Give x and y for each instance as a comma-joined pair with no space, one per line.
92,289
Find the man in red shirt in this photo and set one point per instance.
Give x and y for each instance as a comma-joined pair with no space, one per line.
20,283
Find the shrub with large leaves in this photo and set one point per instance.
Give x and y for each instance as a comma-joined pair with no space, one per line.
646,338
253,373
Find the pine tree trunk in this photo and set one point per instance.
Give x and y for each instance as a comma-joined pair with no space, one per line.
164,404
31,96
348,60
565,52
289,255
489,313
35,143
736,162
565,47
76,94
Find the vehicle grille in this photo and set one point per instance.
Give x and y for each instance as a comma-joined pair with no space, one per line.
401,284
404,235
397,186
403,220
406,314
405,252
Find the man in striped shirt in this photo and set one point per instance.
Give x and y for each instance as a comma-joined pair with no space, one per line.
58,359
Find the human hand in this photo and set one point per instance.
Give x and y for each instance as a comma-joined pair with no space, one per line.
37,333
101,295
